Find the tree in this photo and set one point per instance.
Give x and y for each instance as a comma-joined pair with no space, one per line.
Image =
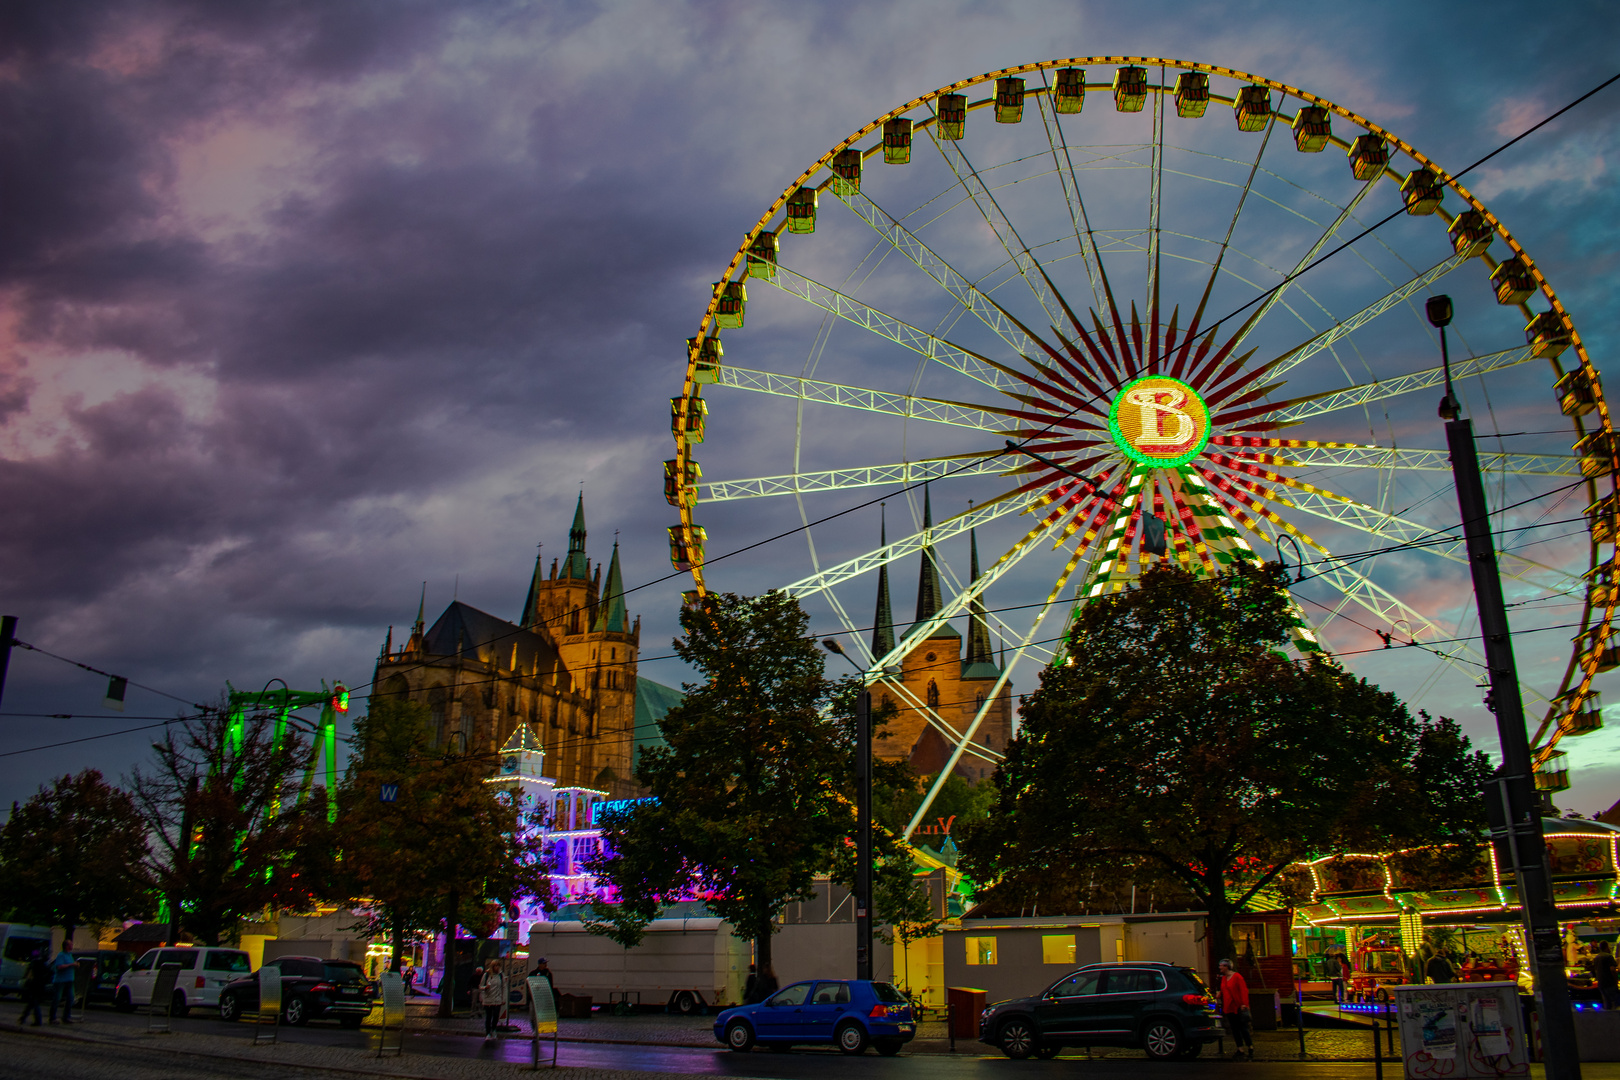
75,854
1176,747
751,793
225,822
447,846
960,802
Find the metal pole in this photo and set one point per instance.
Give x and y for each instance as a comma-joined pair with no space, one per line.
863,838
8,634
1299,1014
1524,819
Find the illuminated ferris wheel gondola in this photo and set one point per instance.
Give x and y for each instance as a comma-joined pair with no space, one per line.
1045,254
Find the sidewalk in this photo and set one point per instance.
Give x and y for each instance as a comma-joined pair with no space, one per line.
199,1049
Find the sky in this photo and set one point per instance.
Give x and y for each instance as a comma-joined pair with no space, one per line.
303,305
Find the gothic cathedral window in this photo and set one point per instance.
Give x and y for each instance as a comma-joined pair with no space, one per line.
933,694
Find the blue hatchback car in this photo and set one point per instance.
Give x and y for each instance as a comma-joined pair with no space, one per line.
849,1013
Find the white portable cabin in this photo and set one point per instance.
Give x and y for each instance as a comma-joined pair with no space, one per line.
686,964
19,941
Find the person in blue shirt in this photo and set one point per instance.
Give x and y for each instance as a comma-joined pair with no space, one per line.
63,969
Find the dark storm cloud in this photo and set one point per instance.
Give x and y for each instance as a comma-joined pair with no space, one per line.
306,302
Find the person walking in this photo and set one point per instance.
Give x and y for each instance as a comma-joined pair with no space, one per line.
36,984
63,969
492,995
1607,972
1334,969
1235,1007
766,984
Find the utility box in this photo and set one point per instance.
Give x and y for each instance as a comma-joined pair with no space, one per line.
1462,1030
1263,1006
965,1004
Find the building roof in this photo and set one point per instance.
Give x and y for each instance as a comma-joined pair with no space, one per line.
464,630
653,700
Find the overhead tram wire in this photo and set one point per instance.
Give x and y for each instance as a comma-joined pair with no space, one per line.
1402,211
1258,299
107,674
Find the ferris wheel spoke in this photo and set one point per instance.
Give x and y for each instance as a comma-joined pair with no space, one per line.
909,406
902,548
1300,353
887,326
965,597
1316,455
1321,241
1292,412
989,207
967,293
1024,646
804,483
1397,531
1072,197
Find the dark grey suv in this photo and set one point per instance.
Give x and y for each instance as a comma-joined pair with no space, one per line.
1160,1008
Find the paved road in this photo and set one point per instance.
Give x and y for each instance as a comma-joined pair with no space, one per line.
111,1045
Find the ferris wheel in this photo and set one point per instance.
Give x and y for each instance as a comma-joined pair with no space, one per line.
1093,261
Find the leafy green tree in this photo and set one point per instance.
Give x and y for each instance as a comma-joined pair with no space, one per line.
961,802
448,846
74,854
1178,748
751,793
225,821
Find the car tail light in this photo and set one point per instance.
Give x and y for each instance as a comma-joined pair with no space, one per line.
201,982
878,1011
324,987
1196,1000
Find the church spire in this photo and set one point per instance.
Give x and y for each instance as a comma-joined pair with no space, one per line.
929,591
576,565
531,604
928,578
417,643
883,620
610,613
978,649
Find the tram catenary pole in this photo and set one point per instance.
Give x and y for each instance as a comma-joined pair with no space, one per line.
1514,783
863,820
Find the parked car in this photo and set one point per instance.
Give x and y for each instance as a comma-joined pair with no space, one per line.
203,973
851,1014
311,989
1161,1008
109,967
18,942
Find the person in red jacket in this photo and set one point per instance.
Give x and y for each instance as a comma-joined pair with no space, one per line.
1235,1007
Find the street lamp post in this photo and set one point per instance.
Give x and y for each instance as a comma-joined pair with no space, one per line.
863,820
1514,786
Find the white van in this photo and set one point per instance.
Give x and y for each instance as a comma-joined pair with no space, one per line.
203,971
18,943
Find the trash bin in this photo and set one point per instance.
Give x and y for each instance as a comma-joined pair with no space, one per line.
1461,1029
965,1004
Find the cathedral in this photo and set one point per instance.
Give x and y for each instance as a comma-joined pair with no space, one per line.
566,669
939,687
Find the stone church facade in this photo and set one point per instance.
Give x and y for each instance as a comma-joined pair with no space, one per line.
566,668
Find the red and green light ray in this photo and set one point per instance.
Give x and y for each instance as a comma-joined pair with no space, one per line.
1209,492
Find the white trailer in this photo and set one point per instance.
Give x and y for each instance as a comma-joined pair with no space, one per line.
684,964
